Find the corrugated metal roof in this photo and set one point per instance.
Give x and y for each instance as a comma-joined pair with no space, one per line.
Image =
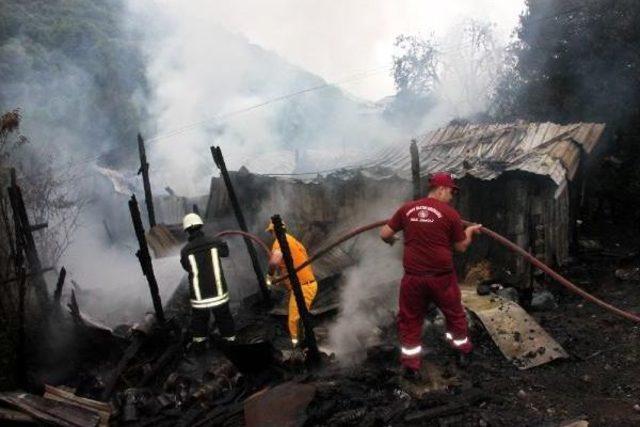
486,151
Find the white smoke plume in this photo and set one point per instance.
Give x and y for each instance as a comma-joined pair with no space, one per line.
368,301
205,81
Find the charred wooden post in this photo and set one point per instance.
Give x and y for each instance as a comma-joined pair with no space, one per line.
415,170
58,292
144,170
219,161
37,227
307,321
22,290
145,259
23,230
74,309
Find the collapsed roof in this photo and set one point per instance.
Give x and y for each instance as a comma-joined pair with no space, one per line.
486,151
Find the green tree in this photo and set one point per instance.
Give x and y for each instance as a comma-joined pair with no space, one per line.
577,62
416,67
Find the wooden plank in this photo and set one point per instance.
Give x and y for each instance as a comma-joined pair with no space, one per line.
51,411
15,416
162,242
103,409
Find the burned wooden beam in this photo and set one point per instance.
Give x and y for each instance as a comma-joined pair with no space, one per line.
307,321
58,292
22,339
145,259
37,227
12,416
415,170
144,170
216,152
50,411
24,235
59,394
74,309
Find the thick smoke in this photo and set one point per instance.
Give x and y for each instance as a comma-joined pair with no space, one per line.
63,111
368,301
202,74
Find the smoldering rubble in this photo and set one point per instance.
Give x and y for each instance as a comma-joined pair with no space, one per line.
101,368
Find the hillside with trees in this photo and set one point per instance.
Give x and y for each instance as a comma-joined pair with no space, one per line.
74,67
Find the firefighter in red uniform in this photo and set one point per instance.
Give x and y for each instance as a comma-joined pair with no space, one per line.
432,228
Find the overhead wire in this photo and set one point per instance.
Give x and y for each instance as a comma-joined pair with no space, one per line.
355,77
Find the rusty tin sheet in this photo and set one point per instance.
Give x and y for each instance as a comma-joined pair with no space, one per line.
518,336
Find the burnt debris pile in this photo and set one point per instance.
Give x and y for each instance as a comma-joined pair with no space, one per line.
537,360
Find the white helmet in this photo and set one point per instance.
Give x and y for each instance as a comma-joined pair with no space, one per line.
191,220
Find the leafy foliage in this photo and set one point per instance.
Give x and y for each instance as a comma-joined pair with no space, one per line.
576,62
58,53
581,62
416,68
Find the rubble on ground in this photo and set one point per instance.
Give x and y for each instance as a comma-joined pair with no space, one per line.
543,301
632,273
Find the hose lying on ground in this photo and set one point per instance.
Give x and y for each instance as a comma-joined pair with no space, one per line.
557,277
490,233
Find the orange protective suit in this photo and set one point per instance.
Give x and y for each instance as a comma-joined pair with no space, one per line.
307,282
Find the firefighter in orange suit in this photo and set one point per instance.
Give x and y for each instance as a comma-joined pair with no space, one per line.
306,278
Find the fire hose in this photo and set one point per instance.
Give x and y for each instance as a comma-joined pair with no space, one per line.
489,233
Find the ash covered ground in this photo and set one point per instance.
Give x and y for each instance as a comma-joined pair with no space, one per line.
259,381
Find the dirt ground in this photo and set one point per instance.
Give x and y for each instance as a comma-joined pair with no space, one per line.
599,383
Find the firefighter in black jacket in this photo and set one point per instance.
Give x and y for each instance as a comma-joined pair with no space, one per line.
200,257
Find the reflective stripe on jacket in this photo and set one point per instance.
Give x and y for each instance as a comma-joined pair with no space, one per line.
200,257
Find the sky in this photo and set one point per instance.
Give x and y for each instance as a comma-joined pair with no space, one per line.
340,39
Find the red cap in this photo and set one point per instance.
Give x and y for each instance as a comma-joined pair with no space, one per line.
442,179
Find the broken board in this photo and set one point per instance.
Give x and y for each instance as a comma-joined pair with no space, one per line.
49,411
518,336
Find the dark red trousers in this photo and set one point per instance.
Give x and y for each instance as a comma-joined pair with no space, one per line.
416,292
